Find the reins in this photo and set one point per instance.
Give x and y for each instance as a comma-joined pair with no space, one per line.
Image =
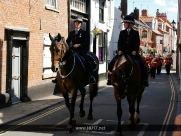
63,63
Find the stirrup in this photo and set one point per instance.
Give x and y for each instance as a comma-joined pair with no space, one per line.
92,80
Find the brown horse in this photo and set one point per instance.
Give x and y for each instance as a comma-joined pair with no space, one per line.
127,82
72,76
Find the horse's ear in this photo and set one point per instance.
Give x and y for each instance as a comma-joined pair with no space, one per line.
51,38
59,37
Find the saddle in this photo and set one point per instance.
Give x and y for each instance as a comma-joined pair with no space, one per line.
89,58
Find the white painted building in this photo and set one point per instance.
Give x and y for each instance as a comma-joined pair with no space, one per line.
106,17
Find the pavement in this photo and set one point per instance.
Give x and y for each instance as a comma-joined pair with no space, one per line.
20,110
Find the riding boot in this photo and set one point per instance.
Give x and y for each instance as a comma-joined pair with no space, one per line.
55,80
145,77
109,80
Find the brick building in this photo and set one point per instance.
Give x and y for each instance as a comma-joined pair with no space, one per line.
24,43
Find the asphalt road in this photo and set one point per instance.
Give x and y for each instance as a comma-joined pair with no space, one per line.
157,109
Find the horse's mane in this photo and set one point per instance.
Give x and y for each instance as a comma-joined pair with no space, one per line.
64,41
121,60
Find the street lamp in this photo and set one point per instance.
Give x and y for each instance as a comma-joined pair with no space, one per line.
173,35
173,25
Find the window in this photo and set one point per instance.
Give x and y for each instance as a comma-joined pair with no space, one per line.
101,10
144,34
102,46
52,4
47,72
79,5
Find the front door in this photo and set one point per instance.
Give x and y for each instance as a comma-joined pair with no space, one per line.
16,70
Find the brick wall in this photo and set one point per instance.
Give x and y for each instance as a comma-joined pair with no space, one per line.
34,16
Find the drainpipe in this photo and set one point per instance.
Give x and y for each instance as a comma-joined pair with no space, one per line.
69,14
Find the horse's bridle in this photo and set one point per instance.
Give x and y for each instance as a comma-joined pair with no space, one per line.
61,62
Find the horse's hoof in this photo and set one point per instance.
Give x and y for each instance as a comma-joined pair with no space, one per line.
82,114
137,120
68,129
131,123
89,117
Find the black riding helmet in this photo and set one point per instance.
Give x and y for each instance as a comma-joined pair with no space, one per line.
78,19
128,19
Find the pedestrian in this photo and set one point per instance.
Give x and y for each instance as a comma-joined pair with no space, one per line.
147,59
78,41
129,44
153,64
168,63
159,64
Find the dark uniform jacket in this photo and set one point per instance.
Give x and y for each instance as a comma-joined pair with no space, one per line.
80,38
128,43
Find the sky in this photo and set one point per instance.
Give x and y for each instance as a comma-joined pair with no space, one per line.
170,7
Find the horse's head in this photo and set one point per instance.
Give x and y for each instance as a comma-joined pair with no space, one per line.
118,74
58,50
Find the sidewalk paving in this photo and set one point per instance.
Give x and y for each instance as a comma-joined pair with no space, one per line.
17,111
20,110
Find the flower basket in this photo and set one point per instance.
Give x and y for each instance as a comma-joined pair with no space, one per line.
96,31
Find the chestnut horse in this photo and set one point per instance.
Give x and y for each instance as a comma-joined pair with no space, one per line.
127,82
72,76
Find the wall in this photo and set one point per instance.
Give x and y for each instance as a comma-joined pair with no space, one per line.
39,21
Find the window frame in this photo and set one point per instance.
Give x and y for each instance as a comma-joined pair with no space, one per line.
102,47
51,6
101,9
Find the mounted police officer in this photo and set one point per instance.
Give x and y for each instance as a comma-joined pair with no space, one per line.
79,41
129,43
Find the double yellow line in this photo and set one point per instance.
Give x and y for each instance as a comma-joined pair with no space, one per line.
42,115
169,111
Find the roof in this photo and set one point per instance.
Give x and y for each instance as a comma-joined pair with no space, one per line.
157,32
147,18
162,30
167,24
160,20
144,25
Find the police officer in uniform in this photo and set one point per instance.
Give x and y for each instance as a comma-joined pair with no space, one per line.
129,43
79,42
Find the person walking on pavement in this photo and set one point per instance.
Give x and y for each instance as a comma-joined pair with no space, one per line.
168,63
153,64
129,44
159,64
78,41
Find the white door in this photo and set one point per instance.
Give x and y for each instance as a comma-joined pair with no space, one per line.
15,90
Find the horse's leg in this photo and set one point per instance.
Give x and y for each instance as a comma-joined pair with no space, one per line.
93,88
81,106
66,97
119,112
131,102
90,116
71,110
137,113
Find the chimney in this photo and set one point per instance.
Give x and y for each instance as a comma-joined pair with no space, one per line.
157,12
136,14
163,16
144,12
124,7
